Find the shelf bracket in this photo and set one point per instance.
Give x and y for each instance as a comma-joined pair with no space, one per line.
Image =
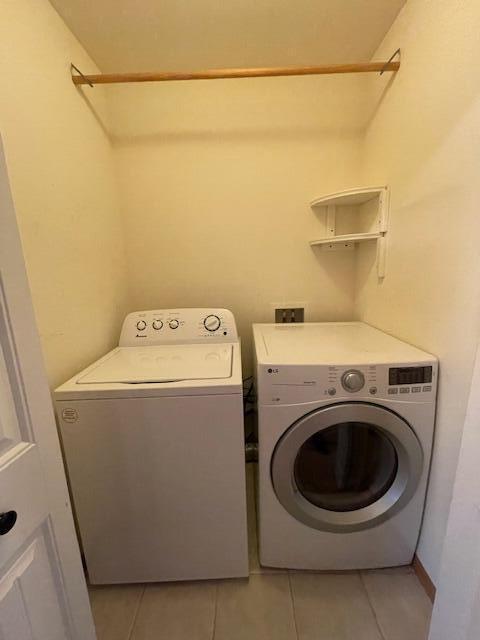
330,220
381,256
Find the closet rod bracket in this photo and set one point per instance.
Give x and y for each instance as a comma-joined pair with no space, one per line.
386,65
74,68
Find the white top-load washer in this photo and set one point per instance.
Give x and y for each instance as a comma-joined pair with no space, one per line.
154,445
346,422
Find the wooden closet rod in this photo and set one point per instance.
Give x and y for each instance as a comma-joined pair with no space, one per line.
214,74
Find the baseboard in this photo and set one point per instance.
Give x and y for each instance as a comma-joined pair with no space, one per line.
424,578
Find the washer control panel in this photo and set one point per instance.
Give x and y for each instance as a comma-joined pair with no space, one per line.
181,326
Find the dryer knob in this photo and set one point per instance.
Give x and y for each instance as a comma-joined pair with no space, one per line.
353,380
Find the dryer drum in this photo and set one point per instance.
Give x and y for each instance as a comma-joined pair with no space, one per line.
347,467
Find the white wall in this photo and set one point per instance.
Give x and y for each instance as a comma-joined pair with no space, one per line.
60,164
215,180
423,140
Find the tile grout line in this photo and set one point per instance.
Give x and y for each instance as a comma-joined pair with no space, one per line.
214,625
135,615
293,605
377,622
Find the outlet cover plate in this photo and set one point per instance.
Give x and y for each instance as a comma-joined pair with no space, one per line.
289,315
289,304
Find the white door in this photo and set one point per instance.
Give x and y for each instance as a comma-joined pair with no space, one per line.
43,594
456,614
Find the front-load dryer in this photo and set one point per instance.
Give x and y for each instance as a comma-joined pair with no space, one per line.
154,444
346,422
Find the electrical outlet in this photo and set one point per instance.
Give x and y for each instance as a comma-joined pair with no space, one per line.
289,310
289,314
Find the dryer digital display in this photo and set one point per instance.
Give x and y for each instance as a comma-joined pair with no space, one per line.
409,375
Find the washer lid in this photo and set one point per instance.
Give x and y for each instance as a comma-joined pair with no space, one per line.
168,363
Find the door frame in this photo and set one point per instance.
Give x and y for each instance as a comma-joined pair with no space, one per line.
456,612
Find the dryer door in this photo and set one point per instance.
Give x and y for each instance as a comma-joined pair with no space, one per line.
347,467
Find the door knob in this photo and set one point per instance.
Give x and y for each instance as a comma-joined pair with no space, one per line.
7,521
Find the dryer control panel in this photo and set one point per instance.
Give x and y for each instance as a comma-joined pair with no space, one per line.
291,385
178,326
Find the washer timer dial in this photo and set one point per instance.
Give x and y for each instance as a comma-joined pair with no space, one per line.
212,322
353,380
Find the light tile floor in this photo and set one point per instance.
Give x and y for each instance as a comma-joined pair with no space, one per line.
271,605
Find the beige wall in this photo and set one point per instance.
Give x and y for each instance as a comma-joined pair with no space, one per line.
424,141
215,180
60,165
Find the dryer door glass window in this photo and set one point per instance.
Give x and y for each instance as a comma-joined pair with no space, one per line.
346,467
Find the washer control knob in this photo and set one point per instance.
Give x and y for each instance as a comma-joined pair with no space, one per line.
212,322
353,380
173,324
141,325
157,324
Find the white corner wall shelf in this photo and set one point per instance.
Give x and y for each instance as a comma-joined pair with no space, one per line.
354,216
